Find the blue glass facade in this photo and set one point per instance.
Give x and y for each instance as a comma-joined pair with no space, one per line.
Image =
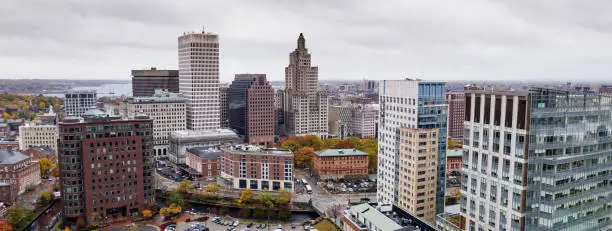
433,113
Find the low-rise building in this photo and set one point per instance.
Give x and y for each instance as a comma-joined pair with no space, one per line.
245,166
340,163
8,193
453,160
205,160
38,153
18,169
180,141
9,144
382,217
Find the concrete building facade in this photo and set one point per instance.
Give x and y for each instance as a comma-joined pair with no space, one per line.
77,102
33,135
537,160
418,171
144,82
257,168
414,104
199,79
304,105
361,119
180,141
168,111
251,108
107,166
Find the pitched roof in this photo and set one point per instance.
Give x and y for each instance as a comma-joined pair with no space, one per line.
11,157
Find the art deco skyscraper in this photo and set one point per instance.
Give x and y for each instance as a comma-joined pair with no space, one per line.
305,105
199,79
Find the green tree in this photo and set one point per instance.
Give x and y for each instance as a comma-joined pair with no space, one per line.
185,186
45,165
452,144
246,197
290,145
266,198
175,198
303,156
283,197
18,215
44,198
331,142
213,189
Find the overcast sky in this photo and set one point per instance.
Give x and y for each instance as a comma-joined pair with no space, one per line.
442,40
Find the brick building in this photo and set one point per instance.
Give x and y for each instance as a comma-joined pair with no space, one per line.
340,163
251,108
453,160
456,114
41,152
9,144
257,168
19,170
8,193
205,160
106,165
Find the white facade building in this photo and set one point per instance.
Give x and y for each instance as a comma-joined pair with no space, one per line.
360,118
199,79
167,110
304,104
33,135
78,102
180,141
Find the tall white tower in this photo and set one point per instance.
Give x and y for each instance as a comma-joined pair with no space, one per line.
199,79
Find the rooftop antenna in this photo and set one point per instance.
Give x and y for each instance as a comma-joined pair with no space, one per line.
203,30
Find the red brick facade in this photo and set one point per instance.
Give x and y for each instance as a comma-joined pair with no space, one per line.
456,112
453,163
209,166
262,168
9,145
20,174
340,166
260,111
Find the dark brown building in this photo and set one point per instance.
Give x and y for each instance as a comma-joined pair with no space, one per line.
106,166
8,193
456,111
9,144
251,108
144,82
245,166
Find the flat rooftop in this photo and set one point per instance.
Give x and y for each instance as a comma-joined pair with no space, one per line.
340,152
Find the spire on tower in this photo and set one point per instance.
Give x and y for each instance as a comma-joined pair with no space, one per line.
301,42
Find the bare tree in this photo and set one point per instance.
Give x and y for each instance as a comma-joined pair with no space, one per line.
334,210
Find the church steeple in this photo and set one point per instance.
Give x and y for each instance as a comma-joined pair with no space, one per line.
301,42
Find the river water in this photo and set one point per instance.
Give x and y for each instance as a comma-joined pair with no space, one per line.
103,90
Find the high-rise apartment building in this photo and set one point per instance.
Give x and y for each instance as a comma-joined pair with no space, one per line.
106,166
413,104
224,104
77,102
144,82
417,172
251,108
456,110
537,160
167,109
199,79
305,105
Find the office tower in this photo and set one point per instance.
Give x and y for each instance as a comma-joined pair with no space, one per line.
369,85
77,102
199,79
224,104
456,110
144,82
167,109
37,135
413,104
305,105
106,166
251,108
537,160
279,100
417,173
360,119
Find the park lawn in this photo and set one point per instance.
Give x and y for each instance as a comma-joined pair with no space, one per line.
325,225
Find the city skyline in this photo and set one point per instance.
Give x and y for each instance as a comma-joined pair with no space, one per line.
494,41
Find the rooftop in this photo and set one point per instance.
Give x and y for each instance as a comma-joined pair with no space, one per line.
373,216
454,152
254,150
205,152
159,97
215,133
340,152
11,157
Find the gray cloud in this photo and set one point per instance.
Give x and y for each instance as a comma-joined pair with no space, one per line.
450,40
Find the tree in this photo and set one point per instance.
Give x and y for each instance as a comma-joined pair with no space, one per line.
185,186
44,198
170,211
331,142
175,198
80,223
147,213
67,228
5,226
45,165
267,200
213,189
452,144
357,142
246,197
311,141
283,197
18,215
334,210
290,145
344,144
303,156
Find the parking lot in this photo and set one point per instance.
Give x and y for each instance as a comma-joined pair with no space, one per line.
242,225
349,185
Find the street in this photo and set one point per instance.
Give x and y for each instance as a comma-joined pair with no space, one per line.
27,199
